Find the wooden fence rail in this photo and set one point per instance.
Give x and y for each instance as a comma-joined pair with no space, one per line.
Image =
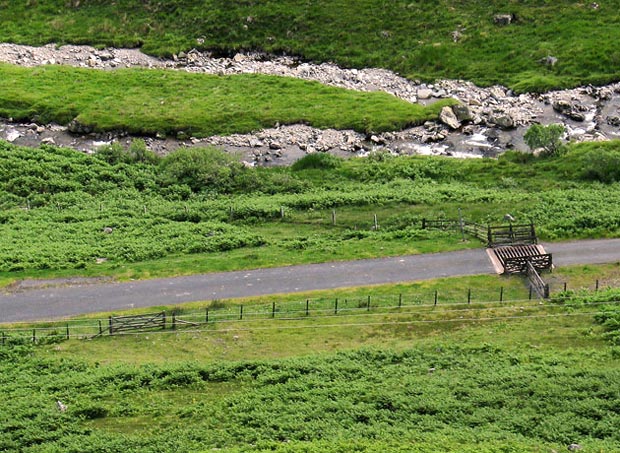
536,282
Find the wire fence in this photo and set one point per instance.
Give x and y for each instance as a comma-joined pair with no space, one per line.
222,316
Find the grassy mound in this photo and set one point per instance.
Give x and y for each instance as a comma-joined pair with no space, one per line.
149,101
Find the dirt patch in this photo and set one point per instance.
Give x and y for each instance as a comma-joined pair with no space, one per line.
30,284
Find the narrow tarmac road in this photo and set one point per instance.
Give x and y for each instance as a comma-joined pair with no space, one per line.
62,302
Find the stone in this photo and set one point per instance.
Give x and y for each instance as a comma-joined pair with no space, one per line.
447,117
105,55
424,93
576,116
613,121
574,447
497,93
462,112
548,61
504,121
503,19
13,135
562,106
75,127
48,141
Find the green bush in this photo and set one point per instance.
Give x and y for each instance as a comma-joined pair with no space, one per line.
546,137
317,161
600,163
201,169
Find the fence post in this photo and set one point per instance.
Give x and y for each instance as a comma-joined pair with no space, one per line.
67,331
174,320
400,300
110,324
424,224
368,304
435,297
333,217
307,307
564,286
34,335
207,315
100,328
273,310
461,225
164,321
469,296
336,306
501,294
530,296
489,236
596,285
546,291
376,223
281,212
240,312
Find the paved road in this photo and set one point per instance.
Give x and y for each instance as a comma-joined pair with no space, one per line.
38,304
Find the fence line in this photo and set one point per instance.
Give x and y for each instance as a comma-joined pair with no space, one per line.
279,327
211,316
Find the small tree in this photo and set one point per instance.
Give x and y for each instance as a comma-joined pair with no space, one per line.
546,137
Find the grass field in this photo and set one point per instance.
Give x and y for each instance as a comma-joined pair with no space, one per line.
530,379
412,38
509,377
131,215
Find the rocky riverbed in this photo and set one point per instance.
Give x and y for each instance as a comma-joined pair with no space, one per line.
488,121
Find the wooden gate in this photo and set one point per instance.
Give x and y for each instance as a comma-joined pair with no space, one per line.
511,235
119,324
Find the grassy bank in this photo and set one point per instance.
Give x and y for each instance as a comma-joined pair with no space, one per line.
199,210
541,380
148,102
415,39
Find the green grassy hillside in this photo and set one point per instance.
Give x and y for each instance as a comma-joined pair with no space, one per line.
199,210
537,378
413,38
